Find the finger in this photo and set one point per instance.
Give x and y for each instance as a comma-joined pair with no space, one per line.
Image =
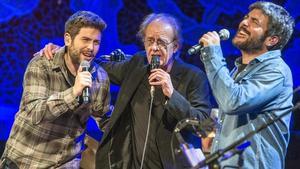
214,37
53,48
87,83
153,73
156,75
86,76
46,52
153,78
155,83
204,41
50,49
79,70
215,34
209,34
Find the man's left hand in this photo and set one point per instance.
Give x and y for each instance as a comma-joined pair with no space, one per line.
159,77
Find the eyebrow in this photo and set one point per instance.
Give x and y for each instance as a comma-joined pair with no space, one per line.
87,38
152,38
255,19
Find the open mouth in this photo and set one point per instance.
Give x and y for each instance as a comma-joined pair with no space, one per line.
88,55
242,32
156,55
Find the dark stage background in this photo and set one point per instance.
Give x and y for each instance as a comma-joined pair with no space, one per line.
27,25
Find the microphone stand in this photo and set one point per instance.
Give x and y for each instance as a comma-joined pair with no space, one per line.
193,155
220,153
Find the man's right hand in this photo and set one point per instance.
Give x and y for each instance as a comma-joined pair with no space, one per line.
83,79
49,50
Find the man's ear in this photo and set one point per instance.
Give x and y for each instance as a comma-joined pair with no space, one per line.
272,41
176,47
67,39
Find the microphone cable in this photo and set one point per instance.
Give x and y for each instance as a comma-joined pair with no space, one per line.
147,133
154,64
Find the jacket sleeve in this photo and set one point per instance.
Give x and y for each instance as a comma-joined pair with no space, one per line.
195,102
238,98
116,70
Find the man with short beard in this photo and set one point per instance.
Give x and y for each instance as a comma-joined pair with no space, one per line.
50,125
257,90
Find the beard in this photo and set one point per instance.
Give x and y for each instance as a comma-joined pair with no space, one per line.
251,44
74,55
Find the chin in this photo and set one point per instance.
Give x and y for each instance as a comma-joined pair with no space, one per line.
237,42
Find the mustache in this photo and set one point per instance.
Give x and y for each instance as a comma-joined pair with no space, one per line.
244,30
87,52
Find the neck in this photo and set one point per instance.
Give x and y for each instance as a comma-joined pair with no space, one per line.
70,65
168,67
247,57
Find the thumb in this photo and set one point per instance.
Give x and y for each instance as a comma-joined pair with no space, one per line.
79,69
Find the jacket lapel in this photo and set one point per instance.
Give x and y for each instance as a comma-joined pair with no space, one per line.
176,73
136,73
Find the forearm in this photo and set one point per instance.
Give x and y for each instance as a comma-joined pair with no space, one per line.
116,70
180,108
193,100
40,107
243,96
101,107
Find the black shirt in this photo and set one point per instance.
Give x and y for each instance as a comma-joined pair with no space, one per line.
140,105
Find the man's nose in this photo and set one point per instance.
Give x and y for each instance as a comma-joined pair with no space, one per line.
91,46
245,22
155,46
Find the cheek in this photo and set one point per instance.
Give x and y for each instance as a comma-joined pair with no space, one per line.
148,55
167,55
96,49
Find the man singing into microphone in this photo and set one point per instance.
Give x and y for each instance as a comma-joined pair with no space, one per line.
257,90
180,91
50,125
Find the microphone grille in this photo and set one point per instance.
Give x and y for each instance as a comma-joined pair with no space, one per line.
155,61
224,34
85,63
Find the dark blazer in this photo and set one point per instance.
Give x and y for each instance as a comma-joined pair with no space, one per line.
190,99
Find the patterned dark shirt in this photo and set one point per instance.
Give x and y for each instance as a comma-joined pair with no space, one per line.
48,128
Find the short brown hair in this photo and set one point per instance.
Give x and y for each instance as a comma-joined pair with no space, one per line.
82,19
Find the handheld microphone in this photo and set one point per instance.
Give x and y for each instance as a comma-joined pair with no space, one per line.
86,91
155,61
223,34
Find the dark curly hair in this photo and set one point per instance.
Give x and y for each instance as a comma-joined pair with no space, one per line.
280,24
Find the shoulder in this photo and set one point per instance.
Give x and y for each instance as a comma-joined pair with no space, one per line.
39,62
276,64
139,57
188,68
101,74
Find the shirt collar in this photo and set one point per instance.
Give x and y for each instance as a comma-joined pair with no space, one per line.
261,58
58,59
59,62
